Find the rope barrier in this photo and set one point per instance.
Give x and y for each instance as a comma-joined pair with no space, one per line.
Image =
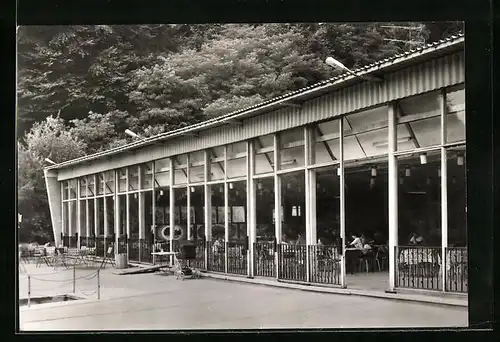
93,275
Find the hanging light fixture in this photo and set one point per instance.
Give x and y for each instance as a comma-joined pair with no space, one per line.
407,172
338,171
135,196
192,189
259,185
221,189
372,183
374,172
161,192
288,186
237,192
423,159
460,160
231,186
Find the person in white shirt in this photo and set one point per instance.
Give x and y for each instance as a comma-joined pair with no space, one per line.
356,241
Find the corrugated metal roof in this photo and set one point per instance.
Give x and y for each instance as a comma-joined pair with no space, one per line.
339,81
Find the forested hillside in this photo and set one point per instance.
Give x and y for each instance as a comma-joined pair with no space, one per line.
80,87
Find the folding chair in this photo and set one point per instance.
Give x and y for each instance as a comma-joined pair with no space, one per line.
109,258
60,259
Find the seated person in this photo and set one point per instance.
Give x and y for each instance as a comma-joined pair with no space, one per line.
301,239
356,241
416,239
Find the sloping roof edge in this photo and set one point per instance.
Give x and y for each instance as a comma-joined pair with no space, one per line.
274,103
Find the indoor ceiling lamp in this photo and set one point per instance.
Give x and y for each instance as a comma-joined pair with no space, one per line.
161,192
259,185
192,189
289,186
386,143
423,159
407,172
460,160
338,171
374,172
231,186
221,189
341,67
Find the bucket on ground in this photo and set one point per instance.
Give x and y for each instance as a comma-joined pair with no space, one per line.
121,261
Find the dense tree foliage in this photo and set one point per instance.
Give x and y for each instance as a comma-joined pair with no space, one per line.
80,87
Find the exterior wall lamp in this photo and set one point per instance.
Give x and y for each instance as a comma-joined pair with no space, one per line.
339,66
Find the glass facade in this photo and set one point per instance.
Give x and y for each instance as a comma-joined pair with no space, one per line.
331,183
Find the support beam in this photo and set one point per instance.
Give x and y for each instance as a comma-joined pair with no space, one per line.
444,187
251,212
172,208
393,195
226,211
307,189
188,199
96,209
342,207
208,205
277,200
78,213
117,210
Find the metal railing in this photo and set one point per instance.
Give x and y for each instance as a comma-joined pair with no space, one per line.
456,269
292,261
418,267
199,263
236,257
83,241
264,260
324,264
216,256
133,249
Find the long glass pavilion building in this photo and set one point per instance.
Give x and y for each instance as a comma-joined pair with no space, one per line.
276,190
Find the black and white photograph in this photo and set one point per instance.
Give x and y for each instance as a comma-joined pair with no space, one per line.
314,174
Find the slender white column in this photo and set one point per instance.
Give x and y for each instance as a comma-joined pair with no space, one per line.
251,212
63,216
342,205
226,211
393,195
153,198
127,209
444,189
277,200
307,194
188,199
172,207
208,203
78,213
96,209
142,231
117,210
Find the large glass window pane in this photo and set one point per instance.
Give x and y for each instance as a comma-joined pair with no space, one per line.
237,160
73,184
455,120
65,228
419,200
180,214
457,198
91,185
109,177
147,176
91,217
294,209
122,217
162,213
100,183
291,148
217,170
196,167
217,195
134,215
83,187
162,172
197,212
133,176
100,216
122,180
366,133
65,189
419,123
264,154
73,218
326,142
83,218
327,206
180,168
147,207
110,215
237,211
264,203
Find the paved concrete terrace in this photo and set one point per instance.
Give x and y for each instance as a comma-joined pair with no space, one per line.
150,301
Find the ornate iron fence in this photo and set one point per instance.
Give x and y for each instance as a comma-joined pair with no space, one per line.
199,263
145,250
91,241
83,241
133,249
236,257
122,245
73,242
99,246
457,269
216,256
264,260
324,264
418,267
292,262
